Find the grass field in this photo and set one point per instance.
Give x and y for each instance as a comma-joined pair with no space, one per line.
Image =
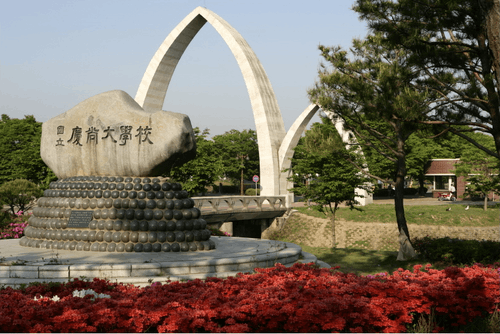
365,262
417,214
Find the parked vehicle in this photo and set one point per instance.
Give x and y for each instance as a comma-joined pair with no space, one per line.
446,197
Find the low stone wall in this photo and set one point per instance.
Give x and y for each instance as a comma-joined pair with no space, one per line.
385,236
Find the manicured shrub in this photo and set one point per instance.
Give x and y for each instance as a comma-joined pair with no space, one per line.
252,192
457,251
13,226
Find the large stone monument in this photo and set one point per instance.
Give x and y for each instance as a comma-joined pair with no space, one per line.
108,153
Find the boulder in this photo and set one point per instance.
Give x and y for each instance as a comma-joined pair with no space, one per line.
110,134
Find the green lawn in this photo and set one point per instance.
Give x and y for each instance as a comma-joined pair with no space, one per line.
417,214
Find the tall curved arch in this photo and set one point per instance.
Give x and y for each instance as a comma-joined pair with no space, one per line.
268,121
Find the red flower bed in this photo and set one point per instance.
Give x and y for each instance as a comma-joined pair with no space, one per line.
297,299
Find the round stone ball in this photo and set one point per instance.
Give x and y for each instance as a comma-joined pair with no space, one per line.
108,203
187,203
152,237
151,195
180,236
109,225
192,247
115,194
168,214
187,214
143,237
103,246
132,194
84,236
161,237
129,186
134,225
141,204
111,247
165,247
170,236
177,214
143,225
99,236
116,237
184,247
107,236
133,204
178,204
166,186
169,204
125,203
77,235
92,236
138,248
169,194
156,187
86,247
147,187
162,225
148,214
180,225
137,187
125,236
130,214
189,236
101,225
120,186
197,235
117,225
104,214
147,247
160,204
151,204
97,214
205,235
141,195
160,195
120,213
94,247
120,247
175,247
152,225
156,247
203,223
134,237
195,212
126,225
129,247
158,214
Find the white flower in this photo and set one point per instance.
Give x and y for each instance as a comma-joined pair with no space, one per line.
83,293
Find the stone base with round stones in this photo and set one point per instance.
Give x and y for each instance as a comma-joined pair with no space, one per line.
121,214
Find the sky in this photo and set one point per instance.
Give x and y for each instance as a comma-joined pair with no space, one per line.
55,54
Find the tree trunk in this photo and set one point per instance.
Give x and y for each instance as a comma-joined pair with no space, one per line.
406,250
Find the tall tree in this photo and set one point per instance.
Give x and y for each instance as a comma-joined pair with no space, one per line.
455,44
320,158
239,152
373,90
20,151
202,171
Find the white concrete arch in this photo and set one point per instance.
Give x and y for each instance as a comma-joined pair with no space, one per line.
268,121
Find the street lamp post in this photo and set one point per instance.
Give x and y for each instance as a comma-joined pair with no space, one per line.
242,157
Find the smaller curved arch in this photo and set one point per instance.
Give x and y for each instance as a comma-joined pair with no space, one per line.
288,144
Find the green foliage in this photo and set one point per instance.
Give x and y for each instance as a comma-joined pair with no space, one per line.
201,172
481,171
19,194
238,150
252,192
454,45
457,251
320,171
20,151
